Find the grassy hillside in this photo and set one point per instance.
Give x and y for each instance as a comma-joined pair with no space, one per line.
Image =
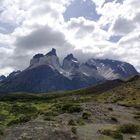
126,94
74,111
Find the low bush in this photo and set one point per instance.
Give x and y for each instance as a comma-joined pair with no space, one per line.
80,122
2,117
114,134
49,118
74,130
69,108
20,120
86,115
129,128
118,131
1,132
137,116
114,119
72,122
50,113
137,113
110,109
23,109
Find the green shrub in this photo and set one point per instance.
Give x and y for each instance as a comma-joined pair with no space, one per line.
49,118
50,113
23,109
2,117
114,134
1,132
69,108
117,133
129,128
114,119
24,119
80,122
86,115
72,122
74,130
110,109
137,113
20,120
137,116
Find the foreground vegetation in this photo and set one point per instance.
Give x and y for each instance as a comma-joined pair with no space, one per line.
20,108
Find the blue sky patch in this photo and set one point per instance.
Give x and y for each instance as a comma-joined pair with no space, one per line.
6,28
80,8
115,38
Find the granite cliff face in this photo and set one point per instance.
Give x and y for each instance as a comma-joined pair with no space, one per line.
45,73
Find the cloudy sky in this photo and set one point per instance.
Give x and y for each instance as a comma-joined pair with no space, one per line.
93,28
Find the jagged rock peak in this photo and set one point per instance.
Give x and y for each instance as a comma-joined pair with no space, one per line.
50,59
52,52
70,56
2,77
14,73
70,63
38,55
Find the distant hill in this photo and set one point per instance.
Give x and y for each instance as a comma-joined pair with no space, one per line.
113,91
126,94
116,91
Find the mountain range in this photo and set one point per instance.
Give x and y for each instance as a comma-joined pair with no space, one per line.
45,73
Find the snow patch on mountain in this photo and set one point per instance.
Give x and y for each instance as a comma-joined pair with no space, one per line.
99,69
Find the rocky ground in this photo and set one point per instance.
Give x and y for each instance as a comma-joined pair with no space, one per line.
74,126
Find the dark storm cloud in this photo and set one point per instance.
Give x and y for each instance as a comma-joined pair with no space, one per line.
43,36
41,40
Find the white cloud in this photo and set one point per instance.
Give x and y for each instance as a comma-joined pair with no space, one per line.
83,33
123,19
99,3
122,26
39,25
